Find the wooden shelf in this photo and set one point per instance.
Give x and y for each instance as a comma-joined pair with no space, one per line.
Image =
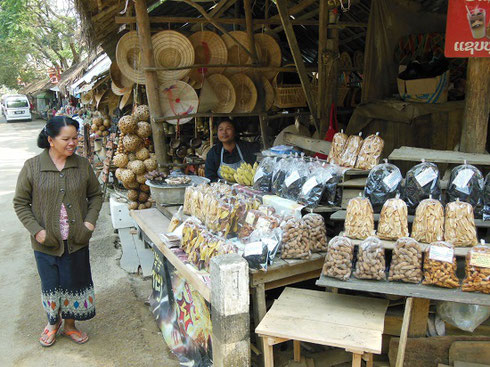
438,156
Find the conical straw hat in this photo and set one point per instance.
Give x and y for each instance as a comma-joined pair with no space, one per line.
269,93
125,99
209,48
225,92
119,91
98,97
270,53
178,99
207,98
236,54
172,49
88,97
246,93
129,58
118,78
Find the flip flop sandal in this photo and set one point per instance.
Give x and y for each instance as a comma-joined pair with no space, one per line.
77,333
49,334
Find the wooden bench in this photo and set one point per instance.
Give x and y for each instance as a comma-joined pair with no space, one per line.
349,322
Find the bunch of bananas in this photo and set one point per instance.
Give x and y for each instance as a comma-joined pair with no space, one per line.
228,173
245,174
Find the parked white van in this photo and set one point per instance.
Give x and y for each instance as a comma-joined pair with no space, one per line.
16,107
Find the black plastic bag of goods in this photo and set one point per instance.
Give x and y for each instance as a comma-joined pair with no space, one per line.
332,193
421,182
296,176
263,175
383,183
257,255
486,199
466,184
279,174
312,189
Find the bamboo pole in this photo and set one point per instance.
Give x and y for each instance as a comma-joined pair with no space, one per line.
251,66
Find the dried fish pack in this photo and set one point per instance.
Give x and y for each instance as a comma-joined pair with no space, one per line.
279,174
263,175
440,265
359,219
422,181
383,183
353,145
393,220
370,152
477,270
371,260
296,176
332,193
338,145
406,263
428,225
459,226
466,184
317,232
486,199
338,262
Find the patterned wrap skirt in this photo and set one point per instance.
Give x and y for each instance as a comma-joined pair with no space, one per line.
67,286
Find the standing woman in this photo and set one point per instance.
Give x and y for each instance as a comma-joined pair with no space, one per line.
58,199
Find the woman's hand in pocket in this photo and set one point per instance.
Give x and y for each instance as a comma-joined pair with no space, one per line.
89,226
41,236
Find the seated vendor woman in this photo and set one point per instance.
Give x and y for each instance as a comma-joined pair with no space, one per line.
229,151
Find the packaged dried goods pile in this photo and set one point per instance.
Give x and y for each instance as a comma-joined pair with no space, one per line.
271,242
440,265
295,239
338,145
370,260
257,255
317,232
459,227
370,153
486,199
406,262
466,184
351,151
421,182
477,270
263,175
321,185
428,225
332,193
296,176
383,183
281,169
359,219
338,262
393,220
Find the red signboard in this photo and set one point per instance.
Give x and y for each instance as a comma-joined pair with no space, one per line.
468,28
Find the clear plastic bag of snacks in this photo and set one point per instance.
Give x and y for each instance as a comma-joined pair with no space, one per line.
359,219
370,153
421,182
263,175
226,218
270,238
440,265
188,197
317,232
338,145
295,178
279,175
383,183
352,147
338,262
257,255
477,270
406,261
428,225
466,184
248,222
459,226
371,260
393,220
332,193
295,244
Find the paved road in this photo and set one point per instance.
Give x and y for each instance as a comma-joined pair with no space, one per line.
122,334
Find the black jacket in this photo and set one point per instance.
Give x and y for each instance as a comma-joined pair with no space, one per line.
213,158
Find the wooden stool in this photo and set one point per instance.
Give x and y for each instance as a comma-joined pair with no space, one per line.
349,322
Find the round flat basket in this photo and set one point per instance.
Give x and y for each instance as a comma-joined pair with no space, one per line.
119,91
118,78
172,49
246,93
269,93
225,92
178,99
128,57
236,54
209,48
270,53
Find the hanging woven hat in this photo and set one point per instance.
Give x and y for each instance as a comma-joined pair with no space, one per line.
111,100
118,78
225,92
171,50
209,48
98,97
270,53
236,54
88,97
208,99
269,93
129,58
178,99
246,93
125,99
119,91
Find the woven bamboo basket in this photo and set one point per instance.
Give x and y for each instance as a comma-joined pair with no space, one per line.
287,95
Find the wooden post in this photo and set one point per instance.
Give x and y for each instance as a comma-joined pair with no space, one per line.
400,357
418,318
152,93
477,106
250,32
322,64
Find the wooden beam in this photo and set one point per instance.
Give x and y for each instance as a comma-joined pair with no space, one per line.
216,12
353,37
400,357
152,91
313,145
301,17
291,69
477,106
294,10
298,58
322,66
418,318
247,6
240,21
331,60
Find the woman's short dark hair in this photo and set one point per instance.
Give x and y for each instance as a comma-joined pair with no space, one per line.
53,128
227,121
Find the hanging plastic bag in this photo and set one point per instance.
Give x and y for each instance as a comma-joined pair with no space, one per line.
338,262
459,226
486,199
370,152
428,225
406,263
466,184
338,145
295,178
464,316
440,265
477,270
383,183
359,219
393,220
371,260
353,145
421,182
263,175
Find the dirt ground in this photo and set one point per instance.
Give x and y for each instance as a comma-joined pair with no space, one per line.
122,334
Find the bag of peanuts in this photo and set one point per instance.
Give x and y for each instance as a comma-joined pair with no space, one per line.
351,151
370,260
428,225
359,219
383,183
338,262
393,220
406,263
317,232
337,147
295,239
440,265
459,228
477,270
370,152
